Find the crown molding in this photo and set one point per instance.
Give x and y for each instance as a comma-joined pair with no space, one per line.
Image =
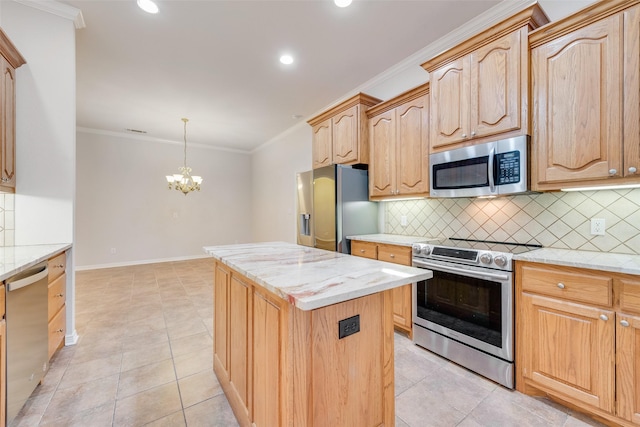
157,140
56,8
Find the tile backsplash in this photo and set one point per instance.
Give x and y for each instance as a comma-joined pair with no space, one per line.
7,219
556,220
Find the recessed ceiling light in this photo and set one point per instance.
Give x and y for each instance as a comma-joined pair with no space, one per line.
148,6
286,59
342,3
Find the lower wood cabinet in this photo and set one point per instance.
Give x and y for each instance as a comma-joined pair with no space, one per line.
578,339
3,359
56,305
402,296
281,366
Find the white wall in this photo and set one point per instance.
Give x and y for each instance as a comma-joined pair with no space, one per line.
45,124
274,167
123,201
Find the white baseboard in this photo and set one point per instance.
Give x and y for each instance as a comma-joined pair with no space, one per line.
142,262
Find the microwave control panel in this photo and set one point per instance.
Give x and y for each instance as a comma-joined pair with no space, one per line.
508,167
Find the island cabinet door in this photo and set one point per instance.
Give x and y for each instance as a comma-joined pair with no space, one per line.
220,324
239,305
267,360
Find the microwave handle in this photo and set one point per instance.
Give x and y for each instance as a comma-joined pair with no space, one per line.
491,171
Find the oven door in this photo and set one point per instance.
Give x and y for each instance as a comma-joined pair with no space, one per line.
468,304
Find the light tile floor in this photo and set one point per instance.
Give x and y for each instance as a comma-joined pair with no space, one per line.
145,358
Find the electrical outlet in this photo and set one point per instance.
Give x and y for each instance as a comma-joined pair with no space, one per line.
403,220
348,326
597,226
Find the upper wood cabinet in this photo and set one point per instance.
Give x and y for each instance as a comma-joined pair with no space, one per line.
480,88
398,135
585,84
340,135
10,59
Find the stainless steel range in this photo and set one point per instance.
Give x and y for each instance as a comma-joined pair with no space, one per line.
465,312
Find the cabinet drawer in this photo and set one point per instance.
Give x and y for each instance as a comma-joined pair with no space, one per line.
57,327
395,254
568,283
57,294
2,302
364,249
630,295
57,266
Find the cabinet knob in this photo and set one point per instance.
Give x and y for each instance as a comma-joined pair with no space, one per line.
612,171
392,256
60,295
361,251
5,179
59,266
60,331
473,133
464,135
604,317
624,323
561,285
632,169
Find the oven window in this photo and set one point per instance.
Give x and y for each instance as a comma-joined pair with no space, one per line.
469,173
466,305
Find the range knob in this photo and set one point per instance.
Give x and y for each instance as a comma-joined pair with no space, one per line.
500,260
426,250
416,249
486,258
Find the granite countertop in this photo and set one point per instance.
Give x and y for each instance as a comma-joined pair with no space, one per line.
311,278
392,239
14,259
604,261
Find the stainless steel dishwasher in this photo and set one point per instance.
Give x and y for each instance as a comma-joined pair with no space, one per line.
27,335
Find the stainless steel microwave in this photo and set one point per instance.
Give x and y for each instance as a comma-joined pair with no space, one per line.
494,168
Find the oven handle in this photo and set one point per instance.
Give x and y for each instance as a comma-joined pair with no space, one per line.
462,271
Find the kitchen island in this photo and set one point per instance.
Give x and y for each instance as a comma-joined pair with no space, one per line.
304,337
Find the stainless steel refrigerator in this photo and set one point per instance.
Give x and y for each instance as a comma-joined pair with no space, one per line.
333,202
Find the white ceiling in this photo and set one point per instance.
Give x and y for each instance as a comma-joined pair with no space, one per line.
216,62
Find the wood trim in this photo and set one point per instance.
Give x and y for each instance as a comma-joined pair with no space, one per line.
10,52
2,301
580,19
532,16
404,97
358,99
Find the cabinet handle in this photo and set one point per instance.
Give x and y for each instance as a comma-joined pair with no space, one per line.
624,323
632,169
604,317
612,172
561,285
58,266
60,295
60,331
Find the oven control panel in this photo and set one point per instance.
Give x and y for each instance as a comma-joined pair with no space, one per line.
456,255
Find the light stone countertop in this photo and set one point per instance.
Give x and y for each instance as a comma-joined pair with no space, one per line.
312,278
604,261
392,239
14,259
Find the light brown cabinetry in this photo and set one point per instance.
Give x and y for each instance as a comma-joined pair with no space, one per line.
577,338
10,59
340,135
288,367
398,134
585,88
3,359
56,306
402,296
480,88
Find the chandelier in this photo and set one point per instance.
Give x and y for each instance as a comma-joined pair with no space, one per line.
183,181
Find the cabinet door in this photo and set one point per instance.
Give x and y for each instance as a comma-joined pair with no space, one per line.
3,371
56,331
628,367
345,136
8,130
239,339
383,162
412,148
402,307
577,94
568,348
631,166
322,152
220,308
267,391
450,99
495,86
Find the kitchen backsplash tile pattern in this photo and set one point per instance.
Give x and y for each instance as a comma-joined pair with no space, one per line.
7,219
556,220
